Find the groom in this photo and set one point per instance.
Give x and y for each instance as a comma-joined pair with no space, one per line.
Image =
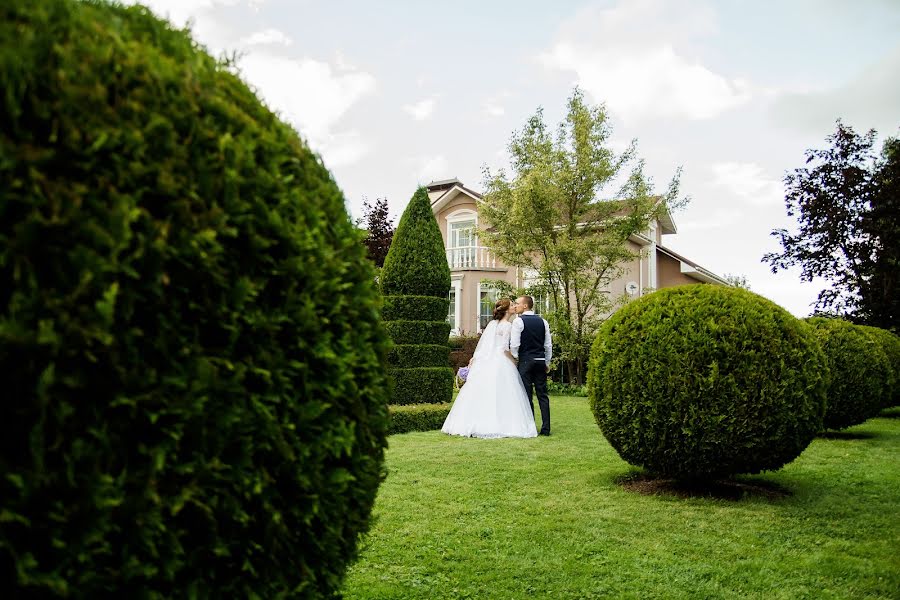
531,345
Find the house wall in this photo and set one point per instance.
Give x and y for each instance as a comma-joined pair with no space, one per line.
670,272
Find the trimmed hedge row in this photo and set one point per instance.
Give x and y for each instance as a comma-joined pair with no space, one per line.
702,381
194,398
890,343
462,348
425,385
415,308
420,355
418,417
418,332
859,368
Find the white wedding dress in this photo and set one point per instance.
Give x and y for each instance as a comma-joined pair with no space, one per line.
492,403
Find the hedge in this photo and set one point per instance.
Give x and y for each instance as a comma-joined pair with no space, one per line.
418,417
859,369
427,385
418,332
890,343
462,348
420,355
415,308
703,381
194,403
416,264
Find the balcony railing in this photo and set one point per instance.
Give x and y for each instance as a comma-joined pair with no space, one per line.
472,257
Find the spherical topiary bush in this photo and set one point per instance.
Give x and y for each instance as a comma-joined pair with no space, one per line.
415,281
859,372
704,381
890,344
194,399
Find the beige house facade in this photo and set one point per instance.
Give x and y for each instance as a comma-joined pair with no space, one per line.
471,301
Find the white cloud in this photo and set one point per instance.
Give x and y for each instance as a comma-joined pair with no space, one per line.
343,148
421,110
180,11
265,37
748,182
430,168
312,96
651,75
715,220
493,109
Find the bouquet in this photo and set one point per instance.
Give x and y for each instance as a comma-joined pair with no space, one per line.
461,375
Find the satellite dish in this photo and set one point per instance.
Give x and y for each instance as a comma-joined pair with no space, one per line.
631,287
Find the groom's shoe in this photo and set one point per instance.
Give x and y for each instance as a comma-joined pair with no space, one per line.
547,433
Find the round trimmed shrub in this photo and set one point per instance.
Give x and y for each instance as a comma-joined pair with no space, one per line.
415,281
890,344
705,381
859,372
194,392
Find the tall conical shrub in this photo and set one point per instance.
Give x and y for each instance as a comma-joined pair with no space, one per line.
415,281
194,391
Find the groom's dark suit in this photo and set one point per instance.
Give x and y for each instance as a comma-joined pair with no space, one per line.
534,350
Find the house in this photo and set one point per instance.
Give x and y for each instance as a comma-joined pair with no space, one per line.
471,302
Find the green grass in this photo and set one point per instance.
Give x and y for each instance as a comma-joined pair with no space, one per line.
544,518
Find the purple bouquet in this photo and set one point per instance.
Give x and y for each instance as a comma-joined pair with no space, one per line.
461,375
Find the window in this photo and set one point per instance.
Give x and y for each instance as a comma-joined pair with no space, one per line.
486,303
462,244
541,303
451,314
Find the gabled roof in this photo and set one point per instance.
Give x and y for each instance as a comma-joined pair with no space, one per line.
442,192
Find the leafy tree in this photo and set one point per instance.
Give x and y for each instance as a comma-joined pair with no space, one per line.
738,281
845,202
549,216
881,294
379,229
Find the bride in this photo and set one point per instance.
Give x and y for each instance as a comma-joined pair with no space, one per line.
492,403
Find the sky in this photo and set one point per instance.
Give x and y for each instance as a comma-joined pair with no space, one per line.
396,94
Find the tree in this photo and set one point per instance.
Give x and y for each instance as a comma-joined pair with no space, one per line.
880,302
831,199
379,230
415,281
738,281
548,216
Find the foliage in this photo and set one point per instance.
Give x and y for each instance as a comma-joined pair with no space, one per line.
418,332
880,302
890,344
701,381
415,281
566,389
549,217
194,397
738,281
418,355
462,348
422,385
421,308
379,230
418,417
845,203
461,518
416,264
859,372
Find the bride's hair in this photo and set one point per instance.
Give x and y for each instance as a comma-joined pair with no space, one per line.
501,308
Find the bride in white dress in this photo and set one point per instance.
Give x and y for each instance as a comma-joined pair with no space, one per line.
492,403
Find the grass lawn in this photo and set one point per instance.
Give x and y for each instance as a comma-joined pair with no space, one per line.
545,518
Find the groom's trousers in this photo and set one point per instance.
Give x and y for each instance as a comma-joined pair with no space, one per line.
534,376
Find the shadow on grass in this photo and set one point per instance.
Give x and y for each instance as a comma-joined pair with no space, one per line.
890,413
719,489
847,435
